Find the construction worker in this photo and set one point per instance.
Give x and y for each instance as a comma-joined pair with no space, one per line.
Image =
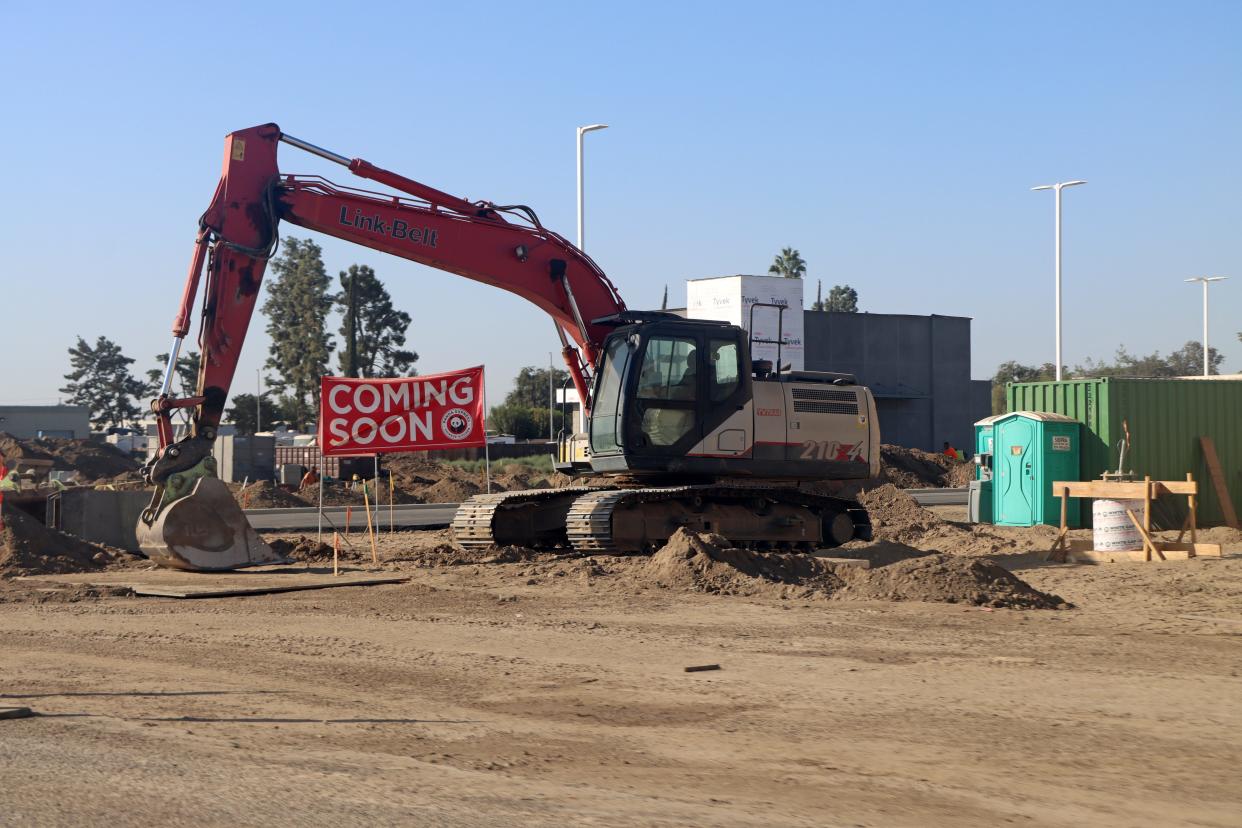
949,451
310,479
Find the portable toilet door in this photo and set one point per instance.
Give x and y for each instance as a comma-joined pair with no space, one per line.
1031,451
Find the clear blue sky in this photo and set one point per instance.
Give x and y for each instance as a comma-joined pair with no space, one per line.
894,144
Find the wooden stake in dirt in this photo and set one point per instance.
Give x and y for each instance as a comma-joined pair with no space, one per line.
320,509
349,513
1218,480
391,493
1057,552
336,553
370,527
487,454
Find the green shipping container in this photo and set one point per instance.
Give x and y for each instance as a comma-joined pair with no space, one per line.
1166,417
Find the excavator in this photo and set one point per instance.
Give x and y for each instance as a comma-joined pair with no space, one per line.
683,427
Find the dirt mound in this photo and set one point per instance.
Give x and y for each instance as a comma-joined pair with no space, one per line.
92,461
879,553
27,547
450,490
701,562
423,480
896,516
910,468
265,494
46,592
304,549
704,562
947,579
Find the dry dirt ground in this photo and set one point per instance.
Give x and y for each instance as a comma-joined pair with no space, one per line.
537,690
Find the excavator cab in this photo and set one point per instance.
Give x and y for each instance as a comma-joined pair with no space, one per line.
663,384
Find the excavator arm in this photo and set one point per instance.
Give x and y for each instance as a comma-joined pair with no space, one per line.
504,246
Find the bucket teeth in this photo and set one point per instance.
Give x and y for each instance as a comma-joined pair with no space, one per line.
204,531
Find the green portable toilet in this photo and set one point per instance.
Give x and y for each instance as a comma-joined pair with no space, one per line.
1030,451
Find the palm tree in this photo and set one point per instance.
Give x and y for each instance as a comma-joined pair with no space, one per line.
788,264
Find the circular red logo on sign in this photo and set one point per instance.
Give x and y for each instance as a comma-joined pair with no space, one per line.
456,423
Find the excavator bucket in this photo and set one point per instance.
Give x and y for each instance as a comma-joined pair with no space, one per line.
204,531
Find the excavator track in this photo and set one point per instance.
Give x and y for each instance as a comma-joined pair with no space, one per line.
638,520
530,517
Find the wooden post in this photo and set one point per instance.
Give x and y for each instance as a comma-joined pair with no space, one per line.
336,553
320,539
392,488
1192,516
1149,546
1059,546
349,512
1218,480
370,527
1147,514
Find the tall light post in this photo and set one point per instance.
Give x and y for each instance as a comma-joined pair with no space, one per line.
583,130
1057,188
1206,280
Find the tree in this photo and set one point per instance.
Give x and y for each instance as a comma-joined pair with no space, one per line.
186,374
1017,372
523,422
530,388
789,264
374,329
101,381
664,304
842,299
1188,360
242,413
818,304
1184,362
297,311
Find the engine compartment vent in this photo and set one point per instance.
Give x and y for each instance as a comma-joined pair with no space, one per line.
824,401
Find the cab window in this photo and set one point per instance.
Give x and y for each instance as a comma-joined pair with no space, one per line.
670,370
725,374
605,419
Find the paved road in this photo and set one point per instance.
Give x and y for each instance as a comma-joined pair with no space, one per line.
432,515
939,497
408,516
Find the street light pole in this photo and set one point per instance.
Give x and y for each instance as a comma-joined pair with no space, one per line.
583,130
1206,280
1057,188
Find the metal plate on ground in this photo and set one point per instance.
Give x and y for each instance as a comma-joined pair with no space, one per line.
171,583
16,712
210,592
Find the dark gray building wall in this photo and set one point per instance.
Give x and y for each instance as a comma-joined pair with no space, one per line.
918,368
981,399
26,421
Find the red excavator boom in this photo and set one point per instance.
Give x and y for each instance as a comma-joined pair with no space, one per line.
503,246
